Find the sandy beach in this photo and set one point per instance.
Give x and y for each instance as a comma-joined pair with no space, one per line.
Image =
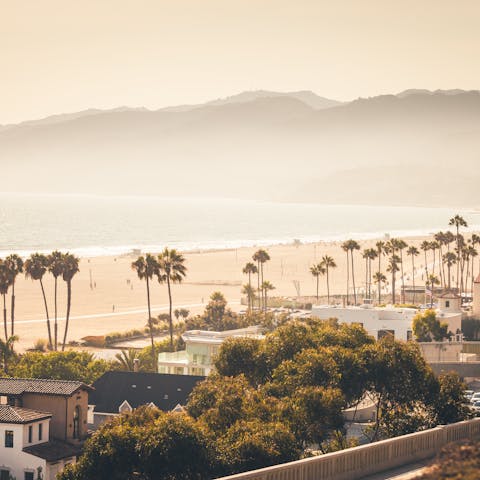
107,295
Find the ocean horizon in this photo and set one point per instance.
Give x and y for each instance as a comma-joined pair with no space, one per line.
93,225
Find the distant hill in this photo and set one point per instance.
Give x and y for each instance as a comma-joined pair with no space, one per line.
417,147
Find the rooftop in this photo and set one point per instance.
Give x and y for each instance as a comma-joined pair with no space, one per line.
212,337
53,451
19,386
9,414
165,391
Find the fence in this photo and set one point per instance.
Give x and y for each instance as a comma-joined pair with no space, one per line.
357,462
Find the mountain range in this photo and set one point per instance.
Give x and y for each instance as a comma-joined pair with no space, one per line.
416,147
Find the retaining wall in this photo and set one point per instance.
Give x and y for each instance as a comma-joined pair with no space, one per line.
358,462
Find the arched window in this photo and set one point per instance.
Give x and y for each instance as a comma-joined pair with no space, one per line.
76,422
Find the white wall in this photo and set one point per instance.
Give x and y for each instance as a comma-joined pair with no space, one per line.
14,459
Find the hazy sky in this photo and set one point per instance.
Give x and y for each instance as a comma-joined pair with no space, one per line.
68,55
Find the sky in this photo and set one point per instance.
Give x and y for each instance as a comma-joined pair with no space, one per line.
68,55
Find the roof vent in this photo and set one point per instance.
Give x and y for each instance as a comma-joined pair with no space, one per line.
149,387
165,397
179,389
134,386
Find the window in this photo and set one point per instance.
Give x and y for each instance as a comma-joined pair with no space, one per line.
4,474
30,434
447,304
40,431
8,440
76,422
409,335
28,476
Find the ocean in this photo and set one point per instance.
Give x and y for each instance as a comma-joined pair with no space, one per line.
90,225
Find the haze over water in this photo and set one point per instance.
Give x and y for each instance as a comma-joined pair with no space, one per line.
103,225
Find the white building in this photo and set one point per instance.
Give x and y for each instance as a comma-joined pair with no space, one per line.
201,346
377,321
25,450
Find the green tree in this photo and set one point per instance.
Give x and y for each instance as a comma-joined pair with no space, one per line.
69,365
35,268
15,264
449,404
266,287
171,270
126,359
379,278
249,291
70,269
458,221
7,352
427,328
449,259
146,267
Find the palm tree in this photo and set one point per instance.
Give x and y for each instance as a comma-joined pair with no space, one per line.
171,270
316,271
249,291
425,246
440,238
266,287
369,254
346,249
402,245
349,246
475,242
457,221
380,251
70,269
55,267
449,259
379,278
15,264
126,359
5,282
393,269
431,282
250,269
146,267
35,268
6,351
328,262
261,257
413,252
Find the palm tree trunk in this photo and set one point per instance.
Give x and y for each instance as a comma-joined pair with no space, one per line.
366,276
258,286
317,286
353,280
150,326
449,276
5,317
348,275
403,281
379,292
12,311
458,256
393,288
67,316
413,277
48,318
263,292
328,286
249,291
55,326
170,311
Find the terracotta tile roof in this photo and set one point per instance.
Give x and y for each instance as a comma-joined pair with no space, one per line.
54,450
19,386
9,414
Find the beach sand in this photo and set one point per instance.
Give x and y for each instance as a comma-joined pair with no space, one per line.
108,297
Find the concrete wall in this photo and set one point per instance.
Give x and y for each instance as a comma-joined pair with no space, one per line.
355,463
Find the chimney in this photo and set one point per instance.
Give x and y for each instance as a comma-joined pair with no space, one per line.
136,364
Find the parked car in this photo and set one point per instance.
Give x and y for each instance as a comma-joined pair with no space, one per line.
475,397
476,407
469,394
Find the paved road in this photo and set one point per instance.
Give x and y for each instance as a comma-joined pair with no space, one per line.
406,472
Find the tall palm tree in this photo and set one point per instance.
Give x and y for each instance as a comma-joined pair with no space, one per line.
260,256
379,278
413,252
440,238
328,262
5,282
35,268
431,282
266,287
449,259
146,267
353,246
316,271
425,246
380,246
126,359
369,254
458,221
171,270
475,242
249,291
401,246
55,267
15,264
70,269
392,268
346,249
250,269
